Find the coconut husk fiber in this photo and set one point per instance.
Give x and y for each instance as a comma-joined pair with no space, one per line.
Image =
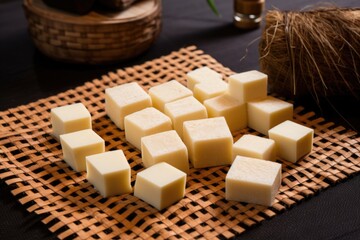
313,52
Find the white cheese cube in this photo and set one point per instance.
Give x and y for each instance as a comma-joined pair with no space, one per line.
292,140
200,75
143,123
231,109
109,172
253,180
182,110
77,145
209,89
209,142
123,100
168,92
70,118
255,147
267,113
248,86
160,185
165,147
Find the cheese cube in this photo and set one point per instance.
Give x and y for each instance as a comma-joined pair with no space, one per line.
253,180
165,147
231,109
143,123
160,185
77,145
70,118
200,75
182,110
123,100
168,92
267,113
209,89
255,147
209,142
292,140
109,172
248,86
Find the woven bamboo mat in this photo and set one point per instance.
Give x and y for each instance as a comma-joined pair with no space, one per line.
31,163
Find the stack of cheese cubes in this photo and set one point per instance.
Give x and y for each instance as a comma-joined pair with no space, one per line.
172,124
84,150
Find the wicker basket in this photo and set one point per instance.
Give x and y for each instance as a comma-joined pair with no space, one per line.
116,4
97,37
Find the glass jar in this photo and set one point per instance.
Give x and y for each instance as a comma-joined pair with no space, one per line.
248,13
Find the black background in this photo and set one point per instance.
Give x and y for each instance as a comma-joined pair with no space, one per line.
26,75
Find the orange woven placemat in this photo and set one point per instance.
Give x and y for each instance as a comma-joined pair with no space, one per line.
31,163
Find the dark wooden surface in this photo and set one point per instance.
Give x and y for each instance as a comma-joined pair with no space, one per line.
26,75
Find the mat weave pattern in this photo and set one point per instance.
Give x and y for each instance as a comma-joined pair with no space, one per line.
31,163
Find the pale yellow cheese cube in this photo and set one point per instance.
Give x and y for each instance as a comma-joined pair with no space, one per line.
293,141
69,118
253,180
160,185
168,92
182,110
109,172
77,145
267,113
165,147
201,74
247,86
123,100
209,142
255,147
231,109
143,123
209,89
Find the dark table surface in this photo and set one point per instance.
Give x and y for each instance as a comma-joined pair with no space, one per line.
26,75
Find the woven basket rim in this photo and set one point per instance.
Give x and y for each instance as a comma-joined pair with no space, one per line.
64,17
